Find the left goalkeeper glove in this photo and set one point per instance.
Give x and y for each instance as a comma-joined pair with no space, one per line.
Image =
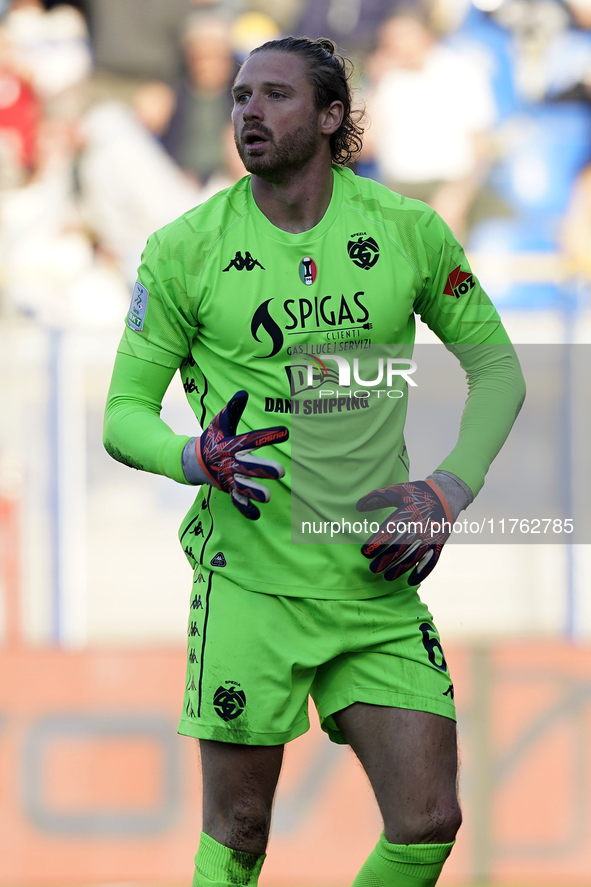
222,457
415,533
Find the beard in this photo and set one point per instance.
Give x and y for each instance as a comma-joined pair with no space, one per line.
278,161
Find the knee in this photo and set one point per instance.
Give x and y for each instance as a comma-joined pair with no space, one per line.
243,824
250,819
442,823
437,824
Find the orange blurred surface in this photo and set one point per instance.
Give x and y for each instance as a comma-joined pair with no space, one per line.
96,785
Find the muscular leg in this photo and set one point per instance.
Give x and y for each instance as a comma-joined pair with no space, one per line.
239,784
410,758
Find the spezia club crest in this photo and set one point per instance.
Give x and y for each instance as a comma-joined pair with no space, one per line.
308,271
229,702
363,252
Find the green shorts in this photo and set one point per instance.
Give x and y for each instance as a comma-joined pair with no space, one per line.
253,659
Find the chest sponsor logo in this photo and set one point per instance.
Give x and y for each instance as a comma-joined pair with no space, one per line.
243,263
459,283
338,317
137,309
363,252
308,271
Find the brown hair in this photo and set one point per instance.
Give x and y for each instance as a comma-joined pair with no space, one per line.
330,74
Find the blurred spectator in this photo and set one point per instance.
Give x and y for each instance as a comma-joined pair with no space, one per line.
284,12
20,112
252,29
551,47
49,269
579,52
195,136
154,103
77,4
352,24
542,148
129,186
471,31
134,41
53,44
431,113
576,227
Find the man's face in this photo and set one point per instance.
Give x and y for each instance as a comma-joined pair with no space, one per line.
276,124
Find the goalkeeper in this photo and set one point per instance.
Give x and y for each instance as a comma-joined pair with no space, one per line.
303,253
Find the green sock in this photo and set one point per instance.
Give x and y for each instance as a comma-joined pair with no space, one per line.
403,865
220,866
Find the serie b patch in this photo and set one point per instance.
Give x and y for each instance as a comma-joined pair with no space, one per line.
137,309
459,283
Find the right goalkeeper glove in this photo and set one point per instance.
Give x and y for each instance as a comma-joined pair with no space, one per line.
222,458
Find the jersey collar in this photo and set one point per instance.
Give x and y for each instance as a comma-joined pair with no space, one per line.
314,233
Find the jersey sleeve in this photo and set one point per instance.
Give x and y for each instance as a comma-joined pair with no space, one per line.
456,308
451,302
134,433
496,391
161,322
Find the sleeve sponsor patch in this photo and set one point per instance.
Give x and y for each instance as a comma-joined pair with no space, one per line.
137,309
459,283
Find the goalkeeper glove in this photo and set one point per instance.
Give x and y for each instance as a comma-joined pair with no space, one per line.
414,534
222,458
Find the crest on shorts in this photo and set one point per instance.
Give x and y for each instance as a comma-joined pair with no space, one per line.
218,560
229,702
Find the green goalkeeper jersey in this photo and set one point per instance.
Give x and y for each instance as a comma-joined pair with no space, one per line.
233,302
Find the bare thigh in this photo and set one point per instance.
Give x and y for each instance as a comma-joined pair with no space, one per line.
410,758
239,783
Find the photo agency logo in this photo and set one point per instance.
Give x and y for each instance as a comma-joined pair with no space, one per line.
388,373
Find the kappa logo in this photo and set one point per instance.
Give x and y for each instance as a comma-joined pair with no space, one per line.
229,703
458,283
243,263
218,560
363,252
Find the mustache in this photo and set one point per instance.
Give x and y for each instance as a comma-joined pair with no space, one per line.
260,130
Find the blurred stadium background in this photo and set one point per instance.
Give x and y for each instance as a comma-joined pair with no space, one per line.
113,121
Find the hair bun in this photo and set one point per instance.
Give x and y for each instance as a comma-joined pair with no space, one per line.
326,44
